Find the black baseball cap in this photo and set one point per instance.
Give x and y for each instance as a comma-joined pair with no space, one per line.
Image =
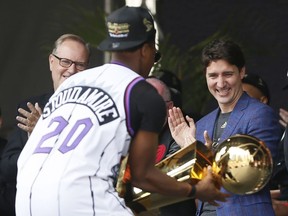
257,82
128,27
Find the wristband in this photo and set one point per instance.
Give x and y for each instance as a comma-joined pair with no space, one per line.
192,192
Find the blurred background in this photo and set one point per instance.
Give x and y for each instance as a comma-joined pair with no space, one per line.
29,28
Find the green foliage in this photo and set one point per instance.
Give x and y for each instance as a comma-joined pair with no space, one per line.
72,17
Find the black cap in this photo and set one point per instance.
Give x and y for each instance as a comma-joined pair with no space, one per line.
258,82
128,27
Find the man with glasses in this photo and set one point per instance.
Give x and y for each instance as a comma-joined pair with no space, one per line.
71,160
70,55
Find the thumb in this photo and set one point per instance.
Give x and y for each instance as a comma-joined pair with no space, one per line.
208,141
190,121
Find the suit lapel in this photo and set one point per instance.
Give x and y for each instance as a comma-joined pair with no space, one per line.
235,117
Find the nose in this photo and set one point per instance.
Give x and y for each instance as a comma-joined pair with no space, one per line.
72,69
221,82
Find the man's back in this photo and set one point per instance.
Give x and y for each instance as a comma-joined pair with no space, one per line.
84,136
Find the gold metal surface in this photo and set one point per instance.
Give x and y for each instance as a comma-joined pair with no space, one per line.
242,162
245,164
187,165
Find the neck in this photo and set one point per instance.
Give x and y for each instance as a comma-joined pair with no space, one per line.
226,108
127,59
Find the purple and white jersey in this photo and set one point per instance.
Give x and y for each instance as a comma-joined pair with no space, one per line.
69,162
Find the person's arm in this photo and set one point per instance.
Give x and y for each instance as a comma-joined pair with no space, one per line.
18,138
147,118
16,141
149,178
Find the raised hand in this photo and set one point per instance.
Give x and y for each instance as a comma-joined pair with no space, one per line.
29,119
182,132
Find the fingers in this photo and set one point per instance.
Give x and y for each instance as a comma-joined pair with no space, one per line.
31,107
283,123
283,117
191,122
275,194
222,197
24,112
34,114
28,119
170,123
38,108
24,124
24,128
176,116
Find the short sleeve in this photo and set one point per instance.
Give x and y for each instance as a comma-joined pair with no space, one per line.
147,109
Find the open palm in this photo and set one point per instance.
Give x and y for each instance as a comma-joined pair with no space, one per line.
182,132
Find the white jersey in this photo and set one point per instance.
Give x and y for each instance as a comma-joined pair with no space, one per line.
69,162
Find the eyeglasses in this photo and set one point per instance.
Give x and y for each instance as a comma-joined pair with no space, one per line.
157,56
66,63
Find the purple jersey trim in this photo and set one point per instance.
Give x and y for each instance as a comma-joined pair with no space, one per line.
127,104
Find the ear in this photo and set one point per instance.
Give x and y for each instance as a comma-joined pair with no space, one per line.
264,99
51,59
242,72
145,49
170,104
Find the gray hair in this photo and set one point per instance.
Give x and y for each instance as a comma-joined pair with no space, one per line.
73,37
166,93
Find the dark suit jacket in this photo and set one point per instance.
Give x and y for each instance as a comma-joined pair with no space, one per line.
259,120
16,141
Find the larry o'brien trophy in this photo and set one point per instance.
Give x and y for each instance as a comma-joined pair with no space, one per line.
242,163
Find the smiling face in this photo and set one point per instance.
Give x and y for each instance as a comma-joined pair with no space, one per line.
224,83
69,49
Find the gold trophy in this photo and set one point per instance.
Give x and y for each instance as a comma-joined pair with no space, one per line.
243,164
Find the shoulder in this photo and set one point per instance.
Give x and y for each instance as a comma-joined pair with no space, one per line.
252,106
255,107
147,107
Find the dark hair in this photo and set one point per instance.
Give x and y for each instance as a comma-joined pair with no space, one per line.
223,49
256,81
